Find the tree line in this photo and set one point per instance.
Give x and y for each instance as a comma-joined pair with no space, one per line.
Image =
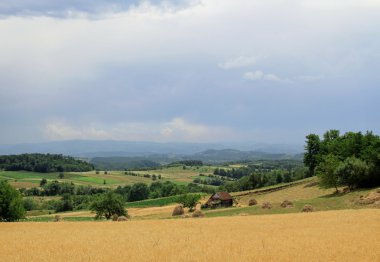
44,163
352,159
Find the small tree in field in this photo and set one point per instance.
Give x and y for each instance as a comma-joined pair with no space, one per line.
108,205
189,200
11,204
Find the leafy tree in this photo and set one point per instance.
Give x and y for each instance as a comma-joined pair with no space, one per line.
311,156
66,203
139,191
279,178
11,204
29,204
43,182
189,200
352,172
108,205
61,175
326,172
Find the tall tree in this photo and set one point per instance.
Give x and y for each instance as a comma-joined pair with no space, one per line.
311,156
11,204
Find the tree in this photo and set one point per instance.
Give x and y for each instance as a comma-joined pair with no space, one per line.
189,200
279,178
61,175
139,191
43,182
311,157
326,172
107,205
66,203
11,204
352,172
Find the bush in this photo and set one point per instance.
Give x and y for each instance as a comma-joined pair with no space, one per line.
11,203
29,204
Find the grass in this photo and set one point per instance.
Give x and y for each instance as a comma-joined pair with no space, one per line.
176,175
346,235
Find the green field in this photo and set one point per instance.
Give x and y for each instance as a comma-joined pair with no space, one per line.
176,174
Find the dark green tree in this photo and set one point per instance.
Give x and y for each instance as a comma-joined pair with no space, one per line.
139,191
311,156
353,172
11,203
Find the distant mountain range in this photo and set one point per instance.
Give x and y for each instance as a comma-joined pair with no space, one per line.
127,154
107,148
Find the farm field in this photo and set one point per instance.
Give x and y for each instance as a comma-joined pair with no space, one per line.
25,179
345,235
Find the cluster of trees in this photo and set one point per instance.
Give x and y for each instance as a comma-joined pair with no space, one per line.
187,163
141,191
43,163
352,159
55,188
258,180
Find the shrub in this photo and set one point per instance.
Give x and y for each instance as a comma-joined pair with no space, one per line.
29,204
57,218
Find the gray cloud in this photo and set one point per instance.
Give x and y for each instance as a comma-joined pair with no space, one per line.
143,67
56,8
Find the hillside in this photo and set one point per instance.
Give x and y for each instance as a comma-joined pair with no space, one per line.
300,193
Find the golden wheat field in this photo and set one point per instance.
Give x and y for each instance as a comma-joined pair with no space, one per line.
348,235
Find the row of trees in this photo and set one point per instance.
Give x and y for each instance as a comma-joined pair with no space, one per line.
352,159
43,163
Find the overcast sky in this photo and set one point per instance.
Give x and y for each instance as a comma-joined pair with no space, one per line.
193,71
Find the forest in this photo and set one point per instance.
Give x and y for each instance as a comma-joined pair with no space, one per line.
44,163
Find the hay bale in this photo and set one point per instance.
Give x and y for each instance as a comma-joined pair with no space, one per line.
57,218
266,205
252,202
307,208
370,199
286,204
122,218
198,213
178,211
115,217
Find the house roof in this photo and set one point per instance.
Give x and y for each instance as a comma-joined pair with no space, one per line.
222,196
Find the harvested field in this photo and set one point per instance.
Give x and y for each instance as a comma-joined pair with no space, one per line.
346,235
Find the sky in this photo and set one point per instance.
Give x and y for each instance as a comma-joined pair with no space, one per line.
268,71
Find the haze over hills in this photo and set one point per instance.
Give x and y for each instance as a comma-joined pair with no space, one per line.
108,148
